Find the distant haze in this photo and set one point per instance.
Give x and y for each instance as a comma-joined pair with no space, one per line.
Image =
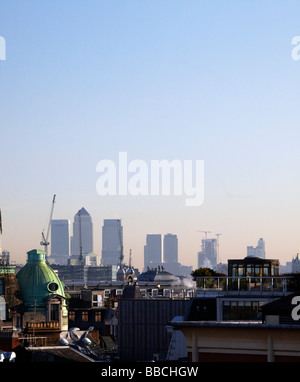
213,81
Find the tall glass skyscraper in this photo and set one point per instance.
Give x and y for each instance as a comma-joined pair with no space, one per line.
82,239
170,248
60,241
112,242
152,251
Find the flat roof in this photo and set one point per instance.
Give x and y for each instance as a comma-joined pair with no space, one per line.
233,324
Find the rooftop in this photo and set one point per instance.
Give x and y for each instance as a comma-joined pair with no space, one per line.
55,353
232,324
37,280
82,212
158,275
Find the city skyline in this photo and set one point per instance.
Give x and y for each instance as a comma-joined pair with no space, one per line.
138,251
166,253
214,81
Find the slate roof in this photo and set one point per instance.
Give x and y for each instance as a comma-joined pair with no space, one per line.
56,354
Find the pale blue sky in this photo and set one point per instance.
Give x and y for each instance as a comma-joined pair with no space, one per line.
159,79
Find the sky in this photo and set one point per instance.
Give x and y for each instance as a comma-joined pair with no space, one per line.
206,80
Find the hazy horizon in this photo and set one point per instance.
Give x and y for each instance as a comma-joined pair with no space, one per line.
213,81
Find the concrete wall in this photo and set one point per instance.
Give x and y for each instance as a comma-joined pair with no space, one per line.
208,343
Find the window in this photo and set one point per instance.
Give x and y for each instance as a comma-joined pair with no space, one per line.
266,270
84,316
54,312
257,270
97,300
241,310
71,316
52,287
234,270
97,316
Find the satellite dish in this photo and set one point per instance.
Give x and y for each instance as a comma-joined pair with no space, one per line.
63,341
86,341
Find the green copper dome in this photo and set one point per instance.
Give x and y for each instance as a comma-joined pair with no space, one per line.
38,281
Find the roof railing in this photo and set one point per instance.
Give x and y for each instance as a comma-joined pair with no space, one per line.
281,284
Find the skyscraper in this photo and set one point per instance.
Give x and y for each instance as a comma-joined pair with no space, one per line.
112,242
152,251
170,248
208,257
60,241
258,251
260,248
82,239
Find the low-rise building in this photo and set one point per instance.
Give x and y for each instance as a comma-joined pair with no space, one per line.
274,338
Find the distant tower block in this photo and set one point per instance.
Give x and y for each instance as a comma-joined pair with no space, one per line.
112,242
82,239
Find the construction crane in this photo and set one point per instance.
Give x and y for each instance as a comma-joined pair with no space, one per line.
45,241
204,241
206,232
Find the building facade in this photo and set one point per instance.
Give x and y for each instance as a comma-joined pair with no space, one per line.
42,294
170,248
152,251
249,342
273,338
253,266
60,241
208,257
112,242
258,251
295,264
142,334
82,239
85,273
